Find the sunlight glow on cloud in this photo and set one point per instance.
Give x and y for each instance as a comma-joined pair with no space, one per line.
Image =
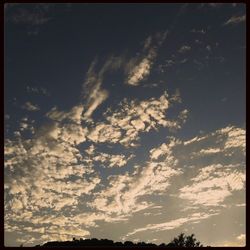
139,68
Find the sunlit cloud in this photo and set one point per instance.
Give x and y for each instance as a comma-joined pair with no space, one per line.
139,68
173,224
213,185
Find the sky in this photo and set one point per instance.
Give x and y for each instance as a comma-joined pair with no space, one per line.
125,122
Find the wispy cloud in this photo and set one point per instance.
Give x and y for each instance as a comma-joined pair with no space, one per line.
28,17
184,49
139,68
199,31
92,93
30,107
38,90
173,224
235,20
31,16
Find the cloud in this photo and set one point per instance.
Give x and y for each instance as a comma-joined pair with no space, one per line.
126,194
29,17
173,224
108,160
139,68
48,173
213,185
104,133
184,49
30,107
38,179
133,118
240,241
75,114
38,90
235,20
201,31
241,237
111,160
140,72
92,93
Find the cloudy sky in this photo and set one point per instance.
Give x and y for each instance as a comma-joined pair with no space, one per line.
124,121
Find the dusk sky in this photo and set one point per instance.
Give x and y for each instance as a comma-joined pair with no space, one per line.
125,122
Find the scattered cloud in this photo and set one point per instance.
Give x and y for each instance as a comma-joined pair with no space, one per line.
122,195
133,118
213,185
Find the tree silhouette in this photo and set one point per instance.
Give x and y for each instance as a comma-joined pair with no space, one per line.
180,241
184,241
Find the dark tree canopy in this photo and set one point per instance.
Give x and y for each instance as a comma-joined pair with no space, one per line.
185,241
180,241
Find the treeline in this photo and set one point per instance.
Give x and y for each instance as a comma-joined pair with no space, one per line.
180,241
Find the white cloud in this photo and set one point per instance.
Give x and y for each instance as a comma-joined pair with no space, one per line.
235,20
30,107
133,118
213,185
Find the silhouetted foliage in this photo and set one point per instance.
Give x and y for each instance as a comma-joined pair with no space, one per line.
180,241
185,241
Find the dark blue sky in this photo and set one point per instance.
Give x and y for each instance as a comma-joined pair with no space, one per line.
75,72
59,52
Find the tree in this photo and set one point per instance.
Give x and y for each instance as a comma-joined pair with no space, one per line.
184,241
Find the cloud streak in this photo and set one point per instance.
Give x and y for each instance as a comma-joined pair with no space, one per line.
235,20
139,68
